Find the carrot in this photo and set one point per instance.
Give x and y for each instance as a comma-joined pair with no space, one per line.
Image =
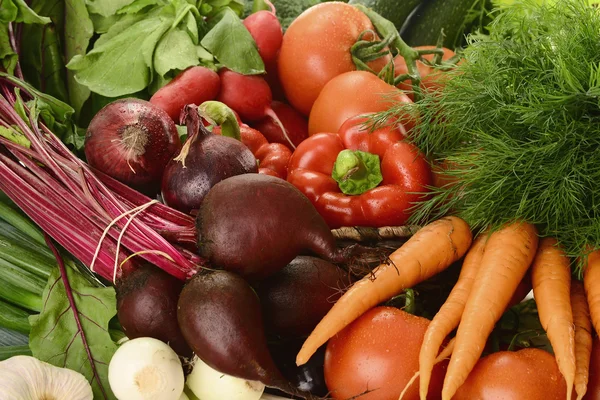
583,338
508,253
551,280
444,354
448,317
591,283
429,251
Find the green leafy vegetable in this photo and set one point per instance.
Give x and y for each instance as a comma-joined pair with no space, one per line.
107,7
232,45
19,11
518,124
56,338
8,57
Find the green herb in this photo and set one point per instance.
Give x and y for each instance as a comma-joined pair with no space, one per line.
518,124
56,338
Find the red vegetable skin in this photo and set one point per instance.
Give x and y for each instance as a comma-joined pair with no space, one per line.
249,96
265,29
530,374
195,85
379,352
132,141
403,167
316,49
295,124
593,390
349,94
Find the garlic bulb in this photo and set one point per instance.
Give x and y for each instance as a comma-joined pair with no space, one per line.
27,378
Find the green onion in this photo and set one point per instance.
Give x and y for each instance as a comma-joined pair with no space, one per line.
19,296
14,318
22,223
7,352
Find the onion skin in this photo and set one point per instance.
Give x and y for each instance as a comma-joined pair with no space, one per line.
132,141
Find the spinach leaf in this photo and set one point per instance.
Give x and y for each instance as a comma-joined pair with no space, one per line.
233,46
56,338
122,64
19,11
8,57
106,7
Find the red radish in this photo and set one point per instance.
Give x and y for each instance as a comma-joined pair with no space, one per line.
265,29
195,85
295,124
249,96
132,141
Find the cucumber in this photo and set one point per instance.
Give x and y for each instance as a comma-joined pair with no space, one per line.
396,11
455,17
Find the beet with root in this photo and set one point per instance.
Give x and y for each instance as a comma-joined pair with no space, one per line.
296,298
220,318
205,159
147,306
255,224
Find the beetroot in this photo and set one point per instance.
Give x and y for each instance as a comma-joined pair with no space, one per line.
255,224
206,159
296,298
147,306
219,315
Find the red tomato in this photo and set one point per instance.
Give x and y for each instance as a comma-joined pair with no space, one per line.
379,352
593,390
431,79
195,85
530,374
350,94
316,48
295,124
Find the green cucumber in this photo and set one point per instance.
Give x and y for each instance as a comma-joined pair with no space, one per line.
396,11
454,17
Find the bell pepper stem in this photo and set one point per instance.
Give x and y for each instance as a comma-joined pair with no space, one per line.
349,165
356,171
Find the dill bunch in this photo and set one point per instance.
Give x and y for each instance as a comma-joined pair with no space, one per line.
518,124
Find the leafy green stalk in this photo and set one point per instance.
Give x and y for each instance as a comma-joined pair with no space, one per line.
13,293
7,352
518,125
14,318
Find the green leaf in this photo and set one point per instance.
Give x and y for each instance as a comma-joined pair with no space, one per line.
14,136
8,11
175,51
80,30
122,64
55,337
233,46
27,15
106,7
8,58
137,6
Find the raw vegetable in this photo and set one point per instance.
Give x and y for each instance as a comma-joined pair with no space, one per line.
195,85
27,378
209,384
132,141
350,94
360,178
317,47
551,281
530,374
295,299
295,124
81,209
72,328
204,160
593,392
591,275
375,357
395,12
429,251
266,31
237,233
147,307
272,158
520,150
448,318
250,97
508,254
220,317
146,369
583,338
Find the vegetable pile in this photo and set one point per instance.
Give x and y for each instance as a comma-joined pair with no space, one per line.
221,199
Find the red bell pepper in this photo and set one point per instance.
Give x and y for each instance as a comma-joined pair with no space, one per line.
360,178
